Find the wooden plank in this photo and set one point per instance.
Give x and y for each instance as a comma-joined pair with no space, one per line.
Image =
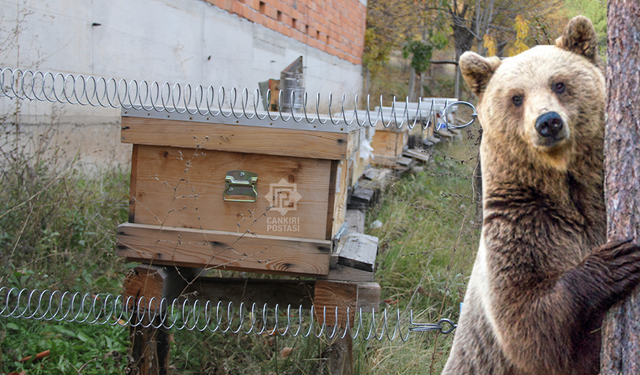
338,272
214,249
405,162
389,144
384,144
259,291
393,128
359,251
332,203
369,297
403,141
358,169
235,138
132,184
428,133
362,198
332,294
372,173
415,154
181,187
376,179
144,281
433,139
356,220
353,142
360,164
340,198
353,146
444,133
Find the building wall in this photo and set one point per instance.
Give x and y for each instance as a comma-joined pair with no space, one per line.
334,26
229,43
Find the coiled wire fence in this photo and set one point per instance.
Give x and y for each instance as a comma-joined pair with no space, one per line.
184,314
96,91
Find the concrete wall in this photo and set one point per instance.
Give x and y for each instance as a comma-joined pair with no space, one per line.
186,41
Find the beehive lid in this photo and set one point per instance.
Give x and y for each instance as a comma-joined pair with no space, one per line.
258,135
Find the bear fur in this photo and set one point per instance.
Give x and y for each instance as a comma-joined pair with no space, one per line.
542,279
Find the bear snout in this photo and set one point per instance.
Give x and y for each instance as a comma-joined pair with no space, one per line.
551,131
549,124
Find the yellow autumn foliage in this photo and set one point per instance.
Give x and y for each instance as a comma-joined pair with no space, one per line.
522,31
490,44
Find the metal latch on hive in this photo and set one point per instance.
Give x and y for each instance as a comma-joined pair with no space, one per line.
240,186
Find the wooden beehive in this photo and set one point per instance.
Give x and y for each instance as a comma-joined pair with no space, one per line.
234,193
388,143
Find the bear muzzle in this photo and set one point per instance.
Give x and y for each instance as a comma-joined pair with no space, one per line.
551,130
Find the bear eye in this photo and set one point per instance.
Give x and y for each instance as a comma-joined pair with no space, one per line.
558,88
517,100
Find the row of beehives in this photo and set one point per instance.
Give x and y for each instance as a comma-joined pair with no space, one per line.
245,195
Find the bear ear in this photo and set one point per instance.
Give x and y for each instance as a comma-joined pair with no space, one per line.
580,37
477,70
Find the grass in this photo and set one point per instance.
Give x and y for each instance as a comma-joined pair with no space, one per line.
57,227
57,231
428,241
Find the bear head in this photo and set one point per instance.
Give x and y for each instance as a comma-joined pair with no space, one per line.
543,108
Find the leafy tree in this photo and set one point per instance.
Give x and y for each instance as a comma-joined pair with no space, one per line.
501,20
391,24
376,54
491,27
421,52
388,24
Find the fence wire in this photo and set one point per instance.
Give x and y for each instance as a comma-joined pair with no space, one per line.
97,91
184,314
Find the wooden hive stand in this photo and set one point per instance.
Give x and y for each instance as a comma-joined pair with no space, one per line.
238,194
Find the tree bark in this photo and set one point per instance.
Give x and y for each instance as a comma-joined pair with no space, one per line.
621,328
412,84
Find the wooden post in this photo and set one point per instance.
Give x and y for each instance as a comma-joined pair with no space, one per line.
150,346
621,328
343,294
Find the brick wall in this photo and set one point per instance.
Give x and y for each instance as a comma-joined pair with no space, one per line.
334,26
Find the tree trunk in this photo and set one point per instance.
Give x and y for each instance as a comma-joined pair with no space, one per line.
621,328
462,37
412,84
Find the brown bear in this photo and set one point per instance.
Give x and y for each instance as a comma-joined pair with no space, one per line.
542,279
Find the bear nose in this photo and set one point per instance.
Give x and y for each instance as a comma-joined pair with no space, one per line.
549,124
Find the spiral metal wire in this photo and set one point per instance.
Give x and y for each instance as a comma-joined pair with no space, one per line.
107,309
96,91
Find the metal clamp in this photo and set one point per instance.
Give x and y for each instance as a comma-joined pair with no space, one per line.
240,184
444,326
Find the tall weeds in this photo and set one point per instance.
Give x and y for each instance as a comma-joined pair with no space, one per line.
55,219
